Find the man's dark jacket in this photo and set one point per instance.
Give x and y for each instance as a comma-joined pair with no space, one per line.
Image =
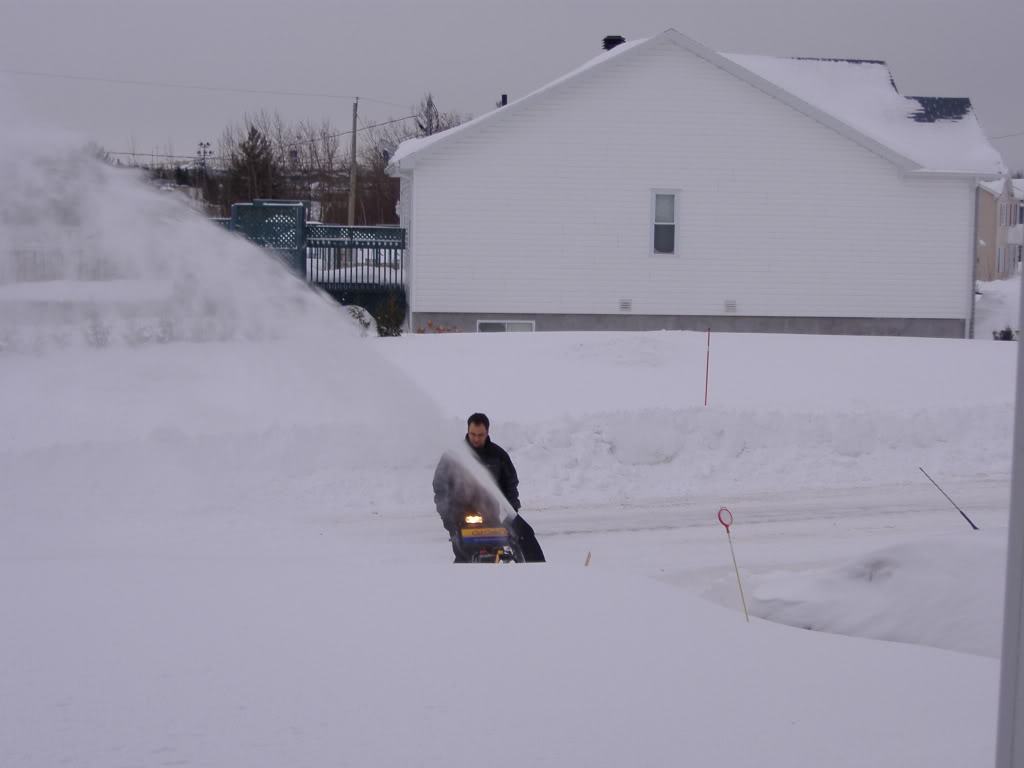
452,490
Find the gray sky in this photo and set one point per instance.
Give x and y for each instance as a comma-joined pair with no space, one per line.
467,52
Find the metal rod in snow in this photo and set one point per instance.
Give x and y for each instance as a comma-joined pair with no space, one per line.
707,371
950,500
725,518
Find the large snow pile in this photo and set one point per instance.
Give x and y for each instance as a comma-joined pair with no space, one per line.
946,592
620,416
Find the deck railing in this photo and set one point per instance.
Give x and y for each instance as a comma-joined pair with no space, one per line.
333,257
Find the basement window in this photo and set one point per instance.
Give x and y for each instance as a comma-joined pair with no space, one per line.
664,217
505,326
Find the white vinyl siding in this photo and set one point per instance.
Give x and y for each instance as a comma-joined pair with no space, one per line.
783,215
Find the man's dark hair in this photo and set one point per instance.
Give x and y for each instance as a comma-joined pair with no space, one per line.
479,418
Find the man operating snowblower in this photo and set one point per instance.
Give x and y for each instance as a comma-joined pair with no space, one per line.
470,513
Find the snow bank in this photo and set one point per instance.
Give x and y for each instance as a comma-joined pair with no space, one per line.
996,307
312,661
628,456
620,416
945,592
536,378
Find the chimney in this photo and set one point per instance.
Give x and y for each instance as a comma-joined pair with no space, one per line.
504,99
613,40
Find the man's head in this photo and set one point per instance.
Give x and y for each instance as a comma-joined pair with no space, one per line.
477,428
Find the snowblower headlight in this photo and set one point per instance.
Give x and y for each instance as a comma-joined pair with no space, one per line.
474,519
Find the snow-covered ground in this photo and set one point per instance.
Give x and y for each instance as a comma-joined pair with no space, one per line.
218,543
997,307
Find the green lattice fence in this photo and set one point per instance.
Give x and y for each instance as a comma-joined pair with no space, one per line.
279,225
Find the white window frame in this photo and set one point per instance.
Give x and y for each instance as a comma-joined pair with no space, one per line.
675,223
531,323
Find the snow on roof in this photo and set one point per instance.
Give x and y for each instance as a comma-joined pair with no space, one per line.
409,146
994,187
938,134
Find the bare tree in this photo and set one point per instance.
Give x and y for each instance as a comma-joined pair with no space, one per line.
265,156
431,120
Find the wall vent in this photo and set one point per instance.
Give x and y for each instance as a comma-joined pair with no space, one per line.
625,305
730,305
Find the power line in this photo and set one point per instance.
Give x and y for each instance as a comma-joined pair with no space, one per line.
346,133
187,86
289,145
157,154
1007,136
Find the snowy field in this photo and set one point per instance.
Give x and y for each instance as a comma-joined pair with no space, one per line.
219,546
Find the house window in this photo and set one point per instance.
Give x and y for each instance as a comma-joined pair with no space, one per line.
505,326
665,217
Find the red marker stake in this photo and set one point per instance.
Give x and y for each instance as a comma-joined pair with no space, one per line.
707,372
725,518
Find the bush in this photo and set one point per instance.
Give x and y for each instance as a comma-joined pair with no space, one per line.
1007,334
391,316
362,317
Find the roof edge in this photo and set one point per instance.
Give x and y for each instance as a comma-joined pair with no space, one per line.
618,53
409,160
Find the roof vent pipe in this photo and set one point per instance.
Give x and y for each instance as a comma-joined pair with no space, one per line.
504,99
613,40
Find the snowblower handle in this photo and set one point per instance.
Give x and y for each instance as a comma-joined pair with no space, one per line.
725,518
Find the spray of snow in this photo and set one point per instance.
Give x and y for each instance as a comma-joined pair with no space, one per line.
125,316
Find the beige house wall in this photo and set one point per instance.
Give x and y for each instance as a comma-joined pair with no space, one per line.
985,253
992,235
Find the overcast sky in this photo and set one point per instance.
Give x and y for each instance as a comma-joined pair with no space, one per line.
467,52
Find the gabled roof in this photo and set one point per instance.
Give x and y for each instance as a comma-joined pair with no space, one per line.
410,147
855,97
1013,188
995,188
937,134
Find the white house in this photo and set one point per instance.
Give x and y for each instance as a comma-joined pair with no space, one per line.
664,185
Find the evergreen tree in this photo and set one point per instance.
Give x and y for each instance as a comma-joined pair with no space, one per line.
252,170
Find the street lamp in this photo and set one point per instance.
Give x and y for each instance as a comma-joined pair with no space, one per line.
202,153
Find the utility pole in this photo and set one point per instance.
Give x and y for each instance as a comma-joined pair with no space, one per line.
352,172
1010,732
202,153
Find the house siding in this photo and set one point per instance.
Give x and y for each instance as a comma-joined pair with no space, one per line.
988,235
548,210
994,236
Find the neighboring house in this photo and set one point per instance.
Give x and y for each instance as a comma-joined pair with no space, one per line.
1015,237
664,185
1000,217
